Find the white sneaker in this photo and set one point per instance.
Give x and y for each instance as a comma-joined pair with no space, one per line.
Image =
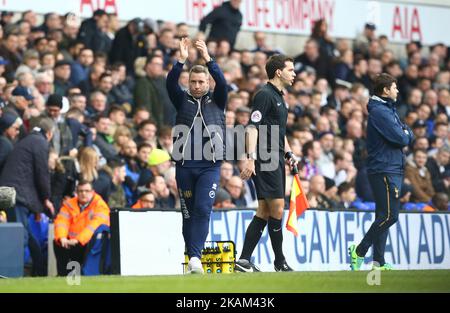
195,266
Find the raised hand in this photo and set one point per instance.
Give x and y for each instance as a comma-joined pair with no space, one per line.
184,49
203,49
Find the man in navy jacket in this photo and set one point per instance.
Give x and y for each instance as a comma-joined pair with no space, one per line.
386,138
199,145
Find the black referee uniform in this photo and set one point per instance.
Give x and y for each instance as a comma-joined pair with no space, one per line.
269,110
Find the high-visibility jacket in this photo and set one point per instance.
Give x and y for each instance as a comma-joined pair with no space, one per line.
137,205
73,224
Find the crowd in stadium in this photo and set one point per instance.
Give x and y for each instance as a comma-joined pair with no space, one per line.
104,87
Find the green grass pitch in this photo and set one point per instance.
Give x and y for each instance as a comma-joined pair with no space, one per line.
295,282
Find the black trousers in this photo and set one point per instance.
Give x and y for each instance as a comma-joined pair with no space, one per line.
65,256
386,189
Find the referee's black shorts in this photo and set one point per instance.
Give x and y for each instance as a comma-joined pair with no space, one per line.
270,184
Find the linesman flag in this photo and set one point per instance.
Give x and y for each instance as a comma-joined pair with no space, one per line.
298,204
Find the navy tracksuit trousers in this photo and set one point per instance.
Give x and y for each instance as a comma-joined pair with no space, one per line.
197,187
386,189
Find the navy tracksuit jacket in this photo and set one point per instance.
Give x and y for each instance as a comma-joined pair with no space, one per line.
386,138
200,126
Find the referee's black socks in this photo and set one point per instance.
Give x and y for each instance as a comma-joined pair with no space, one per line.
276,238
252,236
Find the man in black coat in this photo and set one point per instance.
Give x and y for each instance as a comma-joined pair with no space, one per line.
437,167
9,129
129,43
225,21
26,169
93,32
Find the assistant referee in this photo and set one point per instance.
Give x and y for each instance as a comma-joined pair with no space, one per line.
266,135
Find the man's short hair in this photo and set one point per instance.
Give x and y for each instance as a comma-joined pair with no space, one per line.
151,57
419,151
74,113
306,147
145,123
46,124
165,131
198,69
383,81
83,182
276,62
117,108
116,163
344,187
144,145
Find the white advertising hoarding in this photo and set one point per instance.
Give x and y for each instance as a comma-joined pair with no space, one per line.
400,22
151,242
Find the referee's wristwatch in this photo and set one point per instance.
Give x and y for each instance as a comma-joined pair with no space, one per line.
251,156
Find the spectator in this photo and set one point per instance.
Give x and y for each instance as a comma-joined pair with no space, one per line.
129,44
311,58
261,45
76,224
44,84
9,129
159,162
235,188
93,32
62,178
223,200
437,167
225,21
80,68
420,177
146,200
316,195
105,85
419,128
9,51
345,171
90,84
51,21
439,203
62,77
98,105
159,188
320,34
19,105
165,140
147,131
117,197
30,63
226,172
150,92
104,139
122,86
171,182
26,169
363,40
87,163
347,195
62,141
325,163
81,134
143,153
311,152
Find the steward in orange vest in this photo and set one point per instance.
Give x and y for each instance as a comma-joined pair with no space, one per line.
76,223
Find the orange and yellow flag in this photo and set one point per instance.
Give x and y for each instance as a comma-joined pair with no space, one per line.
298,205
